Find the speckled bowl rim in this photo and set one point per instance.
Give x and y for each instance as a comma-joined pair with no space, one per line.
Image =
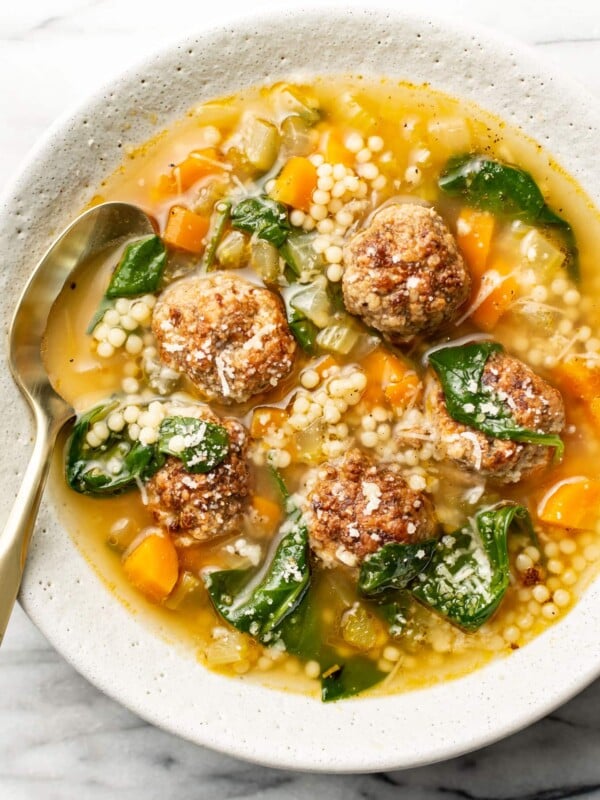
104,641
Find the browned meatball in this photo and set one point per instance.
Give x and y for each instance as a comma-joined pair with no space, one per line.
534,404
230,337
358,506
404,274
202,505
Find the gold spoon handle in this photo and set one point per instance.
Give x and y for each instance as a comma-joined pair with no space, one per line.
14,539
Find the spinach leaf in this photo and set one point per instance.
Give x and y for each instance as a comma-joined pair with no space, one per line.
393,566
140,269
505,190
265,218
460,370
396,612
468,574
258,604
112,467
205,444
303,635
217,229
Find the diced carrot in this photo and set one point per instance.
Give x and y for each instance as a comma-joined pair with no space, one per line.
153,567
267,419
269,512
404,393
333,149
185,230
581,384
295,183
474,231
573,503
495,305
198,164
390,378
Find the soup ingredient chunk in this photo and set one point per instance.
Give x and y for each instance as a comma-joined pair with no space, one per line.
532,403
404,274
357,507
228,336
202,505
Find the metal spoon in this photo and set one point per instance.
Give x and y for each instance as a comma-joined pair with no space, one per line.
102,227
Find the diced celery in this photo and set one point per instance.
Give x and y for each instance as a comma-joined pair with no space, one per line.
309,443
296,137
231,252
340,337
296,101
300,255
265,260
540,253
261,143
359,628
312,301
186,585
228,648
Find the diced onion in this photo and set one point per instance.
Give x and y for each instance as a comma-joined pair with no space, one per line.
339,338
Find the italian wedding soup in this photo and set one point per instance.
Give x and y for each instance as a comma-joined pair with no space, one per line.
338,418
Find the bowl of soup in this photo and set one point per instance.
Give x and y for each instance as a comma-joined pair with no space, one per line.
330,498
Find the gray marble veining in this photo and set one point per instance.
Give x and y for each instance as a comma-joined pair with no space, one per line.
60,738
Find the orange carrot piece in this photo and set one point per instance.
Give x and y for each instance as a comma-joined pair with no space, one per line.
404,393
488,313
295,183
390,378
268,511
267,419
474,231
198,164
185,230
573,503
333,149
153,567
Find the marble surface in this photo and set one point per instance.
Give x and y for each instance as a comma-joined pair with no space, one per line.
60,738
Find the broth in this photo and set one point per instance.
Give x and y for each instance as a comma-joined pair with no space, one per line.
550,321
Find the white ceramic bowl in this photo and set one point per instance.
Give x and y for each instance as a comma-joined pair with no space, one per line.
62,594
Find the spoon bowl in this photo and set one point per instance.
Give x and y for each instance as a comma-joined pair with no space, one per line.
95,231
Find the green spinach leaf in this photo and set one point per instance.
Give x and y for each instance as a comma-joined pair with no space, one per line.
258,604
303,330
205,444
468,574
140,269
393,566
508,191
262,217
111,468
460,370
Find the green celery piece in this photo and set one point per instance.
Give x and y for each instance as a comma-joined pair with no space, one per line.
507,191
468,574
86,467
460,370
140,269
393,566
262,217
207,444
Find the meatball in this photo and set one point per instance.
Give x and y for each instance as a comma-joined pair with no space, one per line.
357,506
230,337
404,274
534,404
202,505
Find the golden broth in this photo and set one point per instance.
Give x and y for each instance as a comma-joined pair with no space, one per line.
420,129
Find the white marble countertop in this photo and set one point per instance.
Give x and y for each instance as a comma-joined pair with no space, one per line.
60,738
